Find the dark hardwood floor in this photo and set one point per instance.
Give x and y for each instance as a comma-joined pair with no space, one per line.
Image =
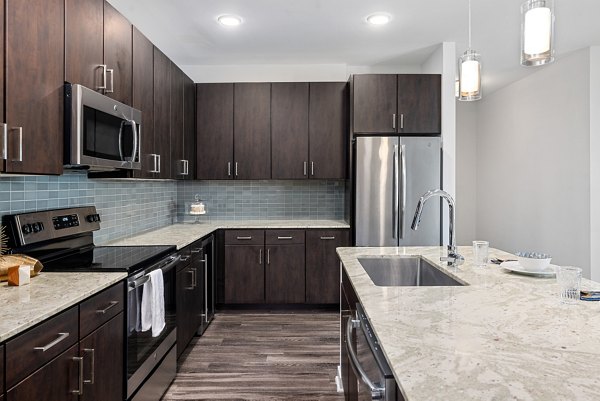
261,356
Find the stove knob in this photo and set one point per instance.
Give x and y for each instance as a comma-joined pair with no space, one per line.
90,218
36,227
26,228
98,218
41,226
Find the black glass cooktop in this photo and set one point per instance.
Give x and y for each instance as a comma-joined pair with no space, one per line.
109,259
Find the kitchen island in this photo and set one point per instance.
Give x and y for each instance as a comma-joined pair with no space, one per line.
503,336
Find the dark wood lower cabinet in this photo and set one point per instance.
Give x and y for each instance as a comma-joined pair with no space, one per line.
1,370
244,274
285,274
102,353
56,381
347,311
322,265
189,297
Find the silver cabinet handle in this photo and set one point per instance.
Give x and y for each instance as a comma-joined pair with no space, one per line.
103,86
395,195
186,167
305,168
327,238
205,289
182,170
155,167
196,250
403,199
236,169
192,286
401,121
228,169
282,238
79,391
184,258
92,352
103,311
377,393
244,238
20,132
394,121
195,270
61,337
260,256
268,256
312,168
112,83
158,163
4,141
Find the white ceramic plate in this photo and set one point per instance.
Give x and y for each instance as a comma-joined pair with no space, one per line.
515,267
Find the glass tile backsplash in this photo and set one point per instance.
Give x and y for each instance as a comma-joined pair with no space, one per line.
128,207
265,200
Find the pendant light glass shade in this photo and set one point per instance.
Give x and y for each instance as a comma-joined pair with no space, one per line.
537,32
469,76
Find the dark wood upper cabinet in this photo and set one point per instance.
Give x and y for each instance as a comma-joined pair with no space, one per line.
84,42
419,103
178,167
327,129
214,131
143,100
289,130
374,103
118,54
252,127
34,76
323,266
189,126
406,103
162,113
284,275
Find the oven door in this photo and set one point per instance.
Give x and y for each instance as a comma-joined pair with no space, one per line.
105,134
145,352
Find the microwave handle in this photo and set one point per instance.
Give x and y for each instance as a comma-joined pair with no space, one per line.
135,139
121,141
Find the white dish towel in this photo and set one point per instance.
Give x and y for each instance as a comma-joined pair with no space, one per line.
153,304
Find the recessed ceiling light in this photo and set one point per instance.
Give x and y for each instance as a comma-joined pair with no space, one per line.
379,18
229,20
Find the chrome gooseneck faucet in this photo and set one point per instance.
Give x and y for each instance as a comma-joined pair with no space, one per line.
453,258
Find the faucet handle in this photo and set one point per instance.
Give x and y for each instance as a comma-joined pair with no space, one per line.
453,259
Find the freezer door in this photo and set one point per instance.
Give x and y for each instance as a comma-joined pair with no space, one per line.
377,193
420,171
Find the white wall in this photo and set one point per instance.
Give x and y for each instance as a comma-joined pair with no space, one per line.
466,172
595,161
533,163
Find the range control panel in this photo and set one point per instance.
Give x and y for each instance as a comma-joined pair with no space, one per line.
29,228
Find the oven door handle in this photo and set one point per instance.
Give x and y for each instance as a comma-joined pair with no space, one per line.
377,393
146,277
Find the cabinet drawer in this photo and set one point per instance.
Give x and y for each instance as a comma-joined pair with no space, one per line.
34,348
284,237
244,237
100,308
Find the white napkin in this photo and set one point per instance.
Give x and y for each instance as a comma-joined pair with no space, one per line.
146,309
153,304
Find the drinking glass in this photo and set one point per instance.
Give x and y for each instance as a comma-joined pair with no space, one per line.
480,252
569,283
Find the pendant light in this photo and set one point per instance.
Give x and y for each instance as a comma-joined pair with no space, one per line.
469,72
537,32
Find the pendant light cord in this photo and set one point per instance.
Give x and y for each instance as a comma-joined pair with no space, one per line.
469,24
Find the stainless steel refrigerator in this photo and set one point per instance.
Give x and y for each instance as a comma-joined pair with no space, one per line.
391,174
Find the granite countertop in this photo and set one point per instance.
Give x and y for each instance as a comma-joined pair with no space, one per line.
46,295
504,336
183,234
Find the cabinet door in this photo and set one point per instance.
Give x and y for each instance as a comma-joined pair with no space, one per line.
189,126
285,273
35,74
323,266
56,381
118,54
289,130
162,112
214,131
244,274
185,290
374,103
84,44
143,100
177,163
419,103
102,353
252,127
2,369
327,129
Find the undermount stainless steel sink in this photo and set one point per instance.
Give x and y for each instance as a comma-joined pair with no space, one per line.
390,271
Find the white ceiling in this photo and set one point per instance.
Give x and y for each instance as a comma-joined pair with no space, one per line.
335,32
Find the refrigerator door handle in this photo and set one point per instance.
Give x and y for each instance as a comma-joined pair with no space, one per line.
395,197
403,205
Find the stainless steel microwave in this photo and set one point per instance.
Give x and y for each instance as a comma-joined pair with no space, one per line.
100,133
